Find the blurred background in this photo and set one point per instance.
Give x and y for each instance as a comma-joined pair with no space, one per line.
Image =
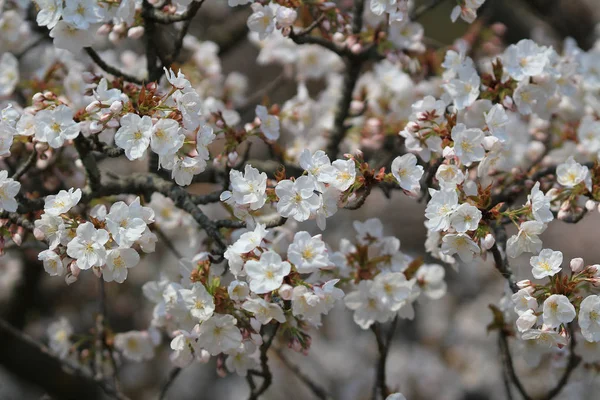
445,353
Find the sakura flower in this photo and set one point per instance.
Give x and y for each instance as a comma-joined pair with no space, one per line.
571,173
269,124
178,81
62,202
204,138
198,301
185,168
55,126
241,360
496,120
558,310
527,240
261,21
88,246
166,137
50,12
238,290
8,190
264,311
524,59
540,204
468,144
135,345
59,335
526,321
81,13
547,263
52,227
318,165
392,289
307,253
546,338
460,244
124,226
343,174
449,175
589,318
407,172
186,349
328,207
9,74
69,37
465,218
134,135
267,274
464,89
524,301
369,231
367,306
118,261
439,209
430,278
247,188
297,199
53,264
219,334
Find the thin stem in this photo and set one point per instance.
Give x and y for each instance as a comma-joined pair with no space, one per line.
170,380
110,69
315,388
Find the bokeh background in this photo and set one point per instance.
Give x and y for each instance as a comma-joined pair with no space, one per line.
445,353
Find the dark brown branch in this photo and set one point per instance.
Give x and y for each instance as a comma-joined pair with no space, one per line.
110,69
170,380
22,170
380,389
265,372
315,388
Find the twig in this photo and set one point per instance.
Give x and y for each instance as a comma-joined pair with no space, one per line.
170,380
110,69
265,372
508,364
383,345
30,162
424,9
317,390
168,242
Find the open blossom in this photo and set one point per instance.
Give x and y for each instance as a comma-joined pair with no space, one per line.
524,59
219,334
496,120
407,172
524,301
527,240
468,144
307,253
134,135
9,74
247,188
547,263
53,264
198,301
526,321
88,246
392,289
241,360
185,348
465,218
166,137
67,36
460,244
262,20
264,311
269,124
267,274
589,318
185,168
440,208
540,204
125,225
558,310
318,165
55,126
50,12
571,173
297,199
8,190
343,174
118,261
431,280
53,228
62,202
367,306
464,89
135,345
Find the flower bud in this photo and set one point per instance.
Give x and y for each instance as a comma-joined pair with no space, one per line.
286,16
356,48
576,264
489,141
524,284
38,98
114,37
104,30
136,32
448,152
93,107
70,279
285,291
590,205
488,241
338,37
116,107
97,271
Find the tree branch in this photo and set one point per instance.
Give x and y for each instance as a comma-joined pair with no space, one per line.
110,69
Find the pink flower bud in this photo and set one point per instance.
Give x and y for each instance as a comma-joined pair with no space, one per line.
104,30
576,264
285,291
338,37
97,271
105,118
356,48
488,241
93,107
136,32
524,284
114,37
116,107
38,98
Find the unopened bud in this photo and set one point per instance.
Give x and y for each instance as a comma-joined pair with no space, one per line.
488,241
285,291
338,37
524,284
576,264
590,205
104,30
116,107
114,37
136,32
92,107
448,152
38,98
356,48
